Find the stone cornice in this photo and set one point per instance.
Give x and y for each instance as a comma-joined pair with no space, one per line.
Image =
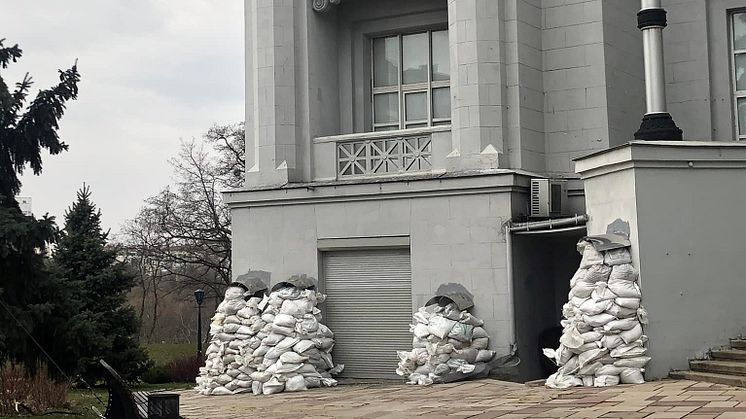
322,6
663,155
503,182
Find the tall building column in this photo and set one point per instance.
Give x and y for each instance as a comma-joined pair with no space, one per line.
477,88
271,143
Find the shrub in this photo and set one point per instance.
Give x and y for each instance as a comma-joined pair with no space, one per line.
180,370
185,369
25,392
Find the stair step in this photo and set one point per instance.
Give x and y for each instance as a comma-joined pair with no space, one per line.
709,377
719,367
738,343
730,354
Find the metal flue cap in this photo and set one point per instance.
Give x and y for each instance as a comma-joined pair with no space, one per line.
253,282
301,281
604,242
453,293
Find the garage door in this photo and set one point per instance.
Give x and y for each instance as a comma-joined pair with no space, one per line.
369,308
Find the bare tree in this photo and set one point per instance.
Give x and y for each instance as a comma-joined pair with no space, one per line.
182,235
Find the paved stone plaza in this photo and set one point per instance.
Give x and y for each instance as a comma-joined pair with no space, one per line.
480,399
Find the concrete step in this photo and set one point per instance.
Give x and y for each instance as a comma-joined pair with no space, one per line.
708,377
719,367
738,343
729,355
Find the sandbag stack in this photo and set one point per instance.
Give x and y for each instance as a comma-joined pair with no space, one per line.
234,330
602,342
294,351
446,340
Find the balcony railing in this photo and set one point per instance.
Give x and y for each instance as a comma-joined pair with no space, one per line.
384,153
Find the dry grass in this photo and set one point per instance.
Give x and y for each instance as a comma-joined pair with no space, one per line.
22,392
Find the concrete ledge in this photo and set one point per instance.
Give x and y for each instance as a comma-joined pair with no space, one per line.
663,154
493,181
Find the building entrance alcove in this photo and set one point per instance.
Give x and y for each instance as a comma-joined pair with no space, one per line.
543,263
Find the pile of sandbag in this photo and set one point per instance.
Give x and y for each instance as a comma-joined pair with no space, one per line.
234,331
602,342
293,351
446,340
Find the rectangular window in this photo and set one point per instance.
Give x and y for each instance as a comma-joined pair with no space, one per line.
738,71
411,80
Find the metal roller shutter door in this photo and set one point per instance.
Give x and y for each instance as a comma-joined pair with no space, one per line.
369,308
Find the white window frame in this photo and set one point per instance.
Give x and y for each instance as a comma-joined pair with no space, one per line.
403,90
733,52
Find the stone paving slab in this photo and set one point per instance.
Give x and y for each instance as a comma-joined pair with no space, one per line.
482,399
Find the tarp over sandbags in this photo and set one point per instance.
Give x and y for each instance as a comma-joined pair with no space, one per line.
603,342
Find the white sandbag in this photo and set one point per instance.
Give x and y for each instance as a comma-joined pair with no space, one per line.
621,312
598,320
282,368
285,320
625,289
608,370
605,380
231,327
273,339
440,326
287,342
220,391
636,362
631,376
617,256
633,302
302,346
582,289
588,380
484,355
591,356
612,341
642,315
268,317
631,335
625,272
590,255
592,307
292,358
480,343
295,307
602,292
591,336
597,273
620,325
273,386
560,381
629,351
297,383
256,387
579,274
282,330
275,352
590,369
420,330
313,382
461,332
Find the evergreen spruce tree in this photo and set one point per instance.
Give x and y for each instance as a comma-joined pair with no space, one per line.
28,295
104,327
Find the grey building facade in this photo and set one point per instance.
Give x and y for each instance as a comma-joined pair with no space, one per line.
388,143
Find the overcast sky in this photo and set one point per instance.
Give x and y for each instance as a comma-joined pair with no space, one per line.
153,72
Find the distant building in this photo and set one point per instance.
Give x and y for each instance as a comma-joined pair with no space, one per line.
25,203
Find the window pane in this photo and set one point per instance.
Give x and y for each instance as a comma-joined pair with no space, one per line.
416,106
442,103
441,59
386,107
414,55
740,71
385,61
741,115
739,31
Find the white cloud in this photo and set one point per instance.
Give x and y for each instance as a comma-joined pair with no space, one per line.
153,72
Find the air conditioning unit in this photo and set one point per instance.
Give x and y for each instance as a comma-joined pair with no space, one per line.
548,198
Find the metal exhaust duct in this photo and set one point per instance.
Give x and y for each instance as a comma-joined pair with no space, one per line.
657,124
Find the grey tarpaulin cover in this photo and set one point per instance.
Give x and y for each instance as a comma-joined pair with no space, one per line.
455,293
604,242
301,281
253,282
